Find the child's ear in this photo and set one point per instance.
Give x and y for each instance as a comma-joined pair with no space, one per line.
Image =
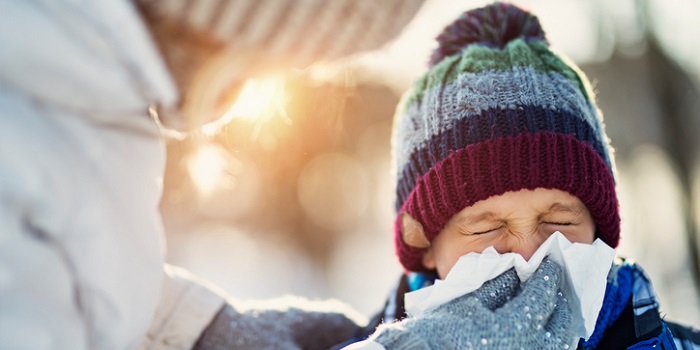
412,232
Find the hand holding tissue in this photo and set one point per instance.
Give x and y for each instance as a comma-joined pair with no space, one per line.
502,314
584,271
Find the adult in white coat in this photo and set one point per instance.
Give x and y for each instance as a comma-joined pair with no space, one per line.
81,157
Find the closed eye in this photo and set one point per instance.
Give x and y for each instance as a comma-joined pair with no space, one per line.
558,223
486,231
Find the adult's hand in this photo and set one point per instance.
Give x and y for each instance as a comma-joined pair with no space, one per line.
306,325
502,314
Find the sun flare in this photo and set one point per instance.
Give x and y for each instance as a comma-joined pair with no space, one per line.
258,99
207,168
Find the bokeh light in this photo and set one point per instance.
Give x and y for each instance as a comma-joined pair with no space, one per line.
333,190
207,168
653,229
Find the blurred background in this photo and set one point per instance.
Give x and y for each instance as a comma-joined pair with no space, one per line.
294,194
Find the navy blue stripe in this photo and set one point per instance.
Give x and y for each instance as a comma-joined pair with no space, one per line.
494,123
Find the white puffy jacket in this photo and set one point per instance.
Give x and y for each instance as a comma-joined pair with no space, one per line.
81,163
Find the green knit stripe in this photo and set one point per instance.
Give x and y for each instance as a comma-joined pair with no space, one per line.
479,58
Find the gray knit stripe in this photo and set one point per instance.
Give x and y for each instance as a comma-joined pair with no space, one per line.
299,31
347,11
402,14
218,12
371,28
281,18
201,14
232,17
473,93
263,27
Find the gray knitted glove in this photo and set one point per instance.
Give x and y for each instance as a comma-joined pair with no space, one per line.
499,315
287,328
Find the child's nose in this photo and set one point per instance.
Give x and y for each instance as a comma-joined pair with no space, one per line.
526,251
526,246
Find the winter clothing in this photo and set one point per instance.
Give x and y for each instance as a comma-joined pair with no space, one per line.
499,315
194,314
297,324
81,244
629,317
186,308
81,166
227,42
498,111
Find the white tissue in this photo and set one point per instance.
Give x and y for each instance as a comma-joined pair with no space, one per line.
585,268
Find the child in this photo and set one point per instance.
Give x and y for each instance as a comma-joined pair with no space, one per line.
501,144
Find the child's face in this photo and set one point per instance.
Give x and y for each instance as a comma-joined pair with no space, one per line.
517,222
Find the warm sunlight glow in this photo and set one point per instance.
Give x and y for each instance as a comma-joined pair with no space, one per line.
257,103
258,99
207,168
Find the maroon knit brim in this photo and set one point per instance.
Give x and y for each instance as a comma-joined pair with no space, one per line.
491,168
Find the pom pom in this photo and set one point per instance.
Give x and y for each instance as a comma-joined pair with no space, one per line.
494,25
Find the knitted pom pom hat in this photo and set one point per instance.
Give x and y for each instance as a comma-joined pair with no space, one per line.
497,111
